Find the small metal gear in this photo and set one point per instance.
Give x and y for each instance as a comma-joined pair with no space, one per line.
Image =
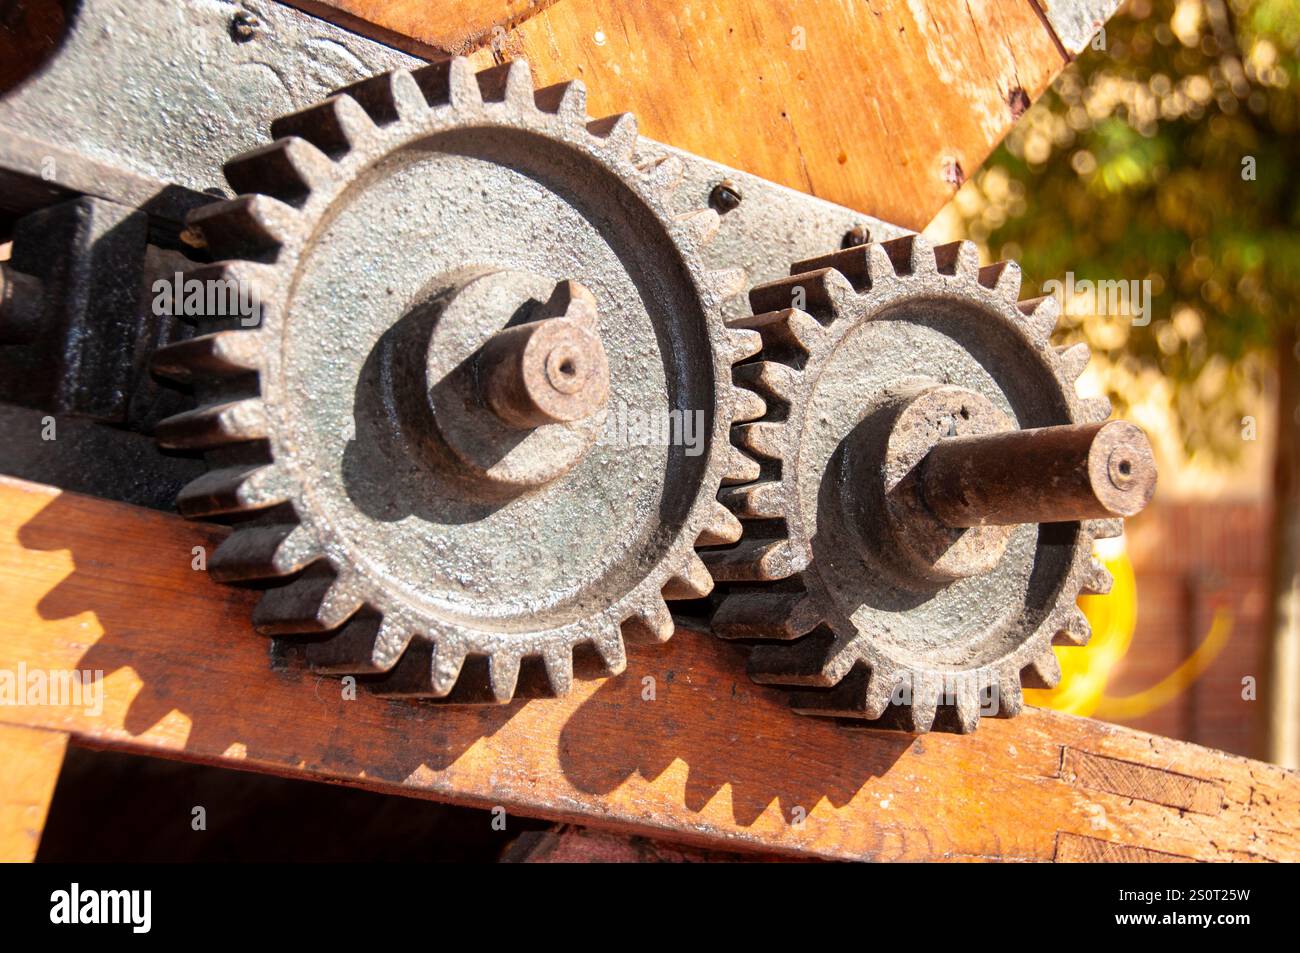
866,604
459,281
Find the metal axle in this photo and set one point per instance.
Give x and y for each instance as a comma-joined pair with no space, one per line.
1044,475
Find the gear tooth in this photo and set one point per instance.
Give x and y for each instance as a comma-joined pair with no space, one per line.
263,552
223,354
649,625
924,705
1105,529
958,259
721,285
449,83
761,439
1095,409
248,279
723,528
699,226
755,501
1002,277
334,126
1074,360
809,662
1097,579
503,675
757,614
508,83
825,292
410,675
250,226
232,490
773,299
880,266
558,660
968,705
910,255
214,425
788,328
664,175
389,97
568,100
691,581
445,667
611,654
853,263
770,378
619,133
743,343
753,560
1042,672
286,169
861,695
366,645
312,603
1040,316
431,670
739,468
746,405
1011,700
881,684
1074,630
244,285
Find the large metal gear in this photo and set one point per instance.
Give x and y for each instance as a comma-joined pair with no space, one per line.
865,601
460,280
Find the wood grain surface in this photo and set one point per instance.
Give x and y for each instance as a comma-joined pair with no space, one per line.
884,106
30,759
712,759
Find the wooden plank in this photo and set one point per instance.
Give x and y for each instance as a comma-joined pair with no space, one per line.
1073,849
706,757
1157,785
882,106
433,30
31,759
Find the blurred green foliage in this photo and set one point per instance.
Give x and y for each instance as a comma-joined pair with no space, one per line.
1169,151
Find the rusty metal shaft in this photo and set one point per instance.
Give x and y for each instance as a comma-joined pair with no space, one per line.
552,370
1045,475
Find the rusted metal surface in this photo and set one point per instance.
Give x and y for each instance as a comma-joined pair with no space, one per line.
866,601
454,554
1045,475
921,543
551,369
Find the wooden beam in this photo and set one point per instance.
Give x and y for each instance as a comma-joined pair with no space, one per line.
883,106
30,759
682,746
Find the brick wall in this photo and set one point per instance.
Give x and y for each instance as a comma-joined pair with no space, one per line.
1190,558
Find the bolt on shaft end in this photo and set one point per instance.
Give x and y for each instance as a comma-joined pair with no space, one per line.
1043,475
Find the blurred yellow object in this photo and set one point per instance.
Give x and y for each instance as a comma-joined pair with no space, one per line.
1085,671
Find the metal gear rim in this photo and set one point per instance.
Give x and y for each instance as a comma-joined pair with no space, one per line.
292,185
847,674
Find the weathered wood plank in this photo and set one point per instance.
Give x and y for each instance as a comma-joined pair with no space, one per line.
883,106
711,758
31,758
423,28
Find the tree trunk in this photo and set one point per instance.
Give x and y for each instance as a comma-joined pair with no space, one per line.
1281,675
